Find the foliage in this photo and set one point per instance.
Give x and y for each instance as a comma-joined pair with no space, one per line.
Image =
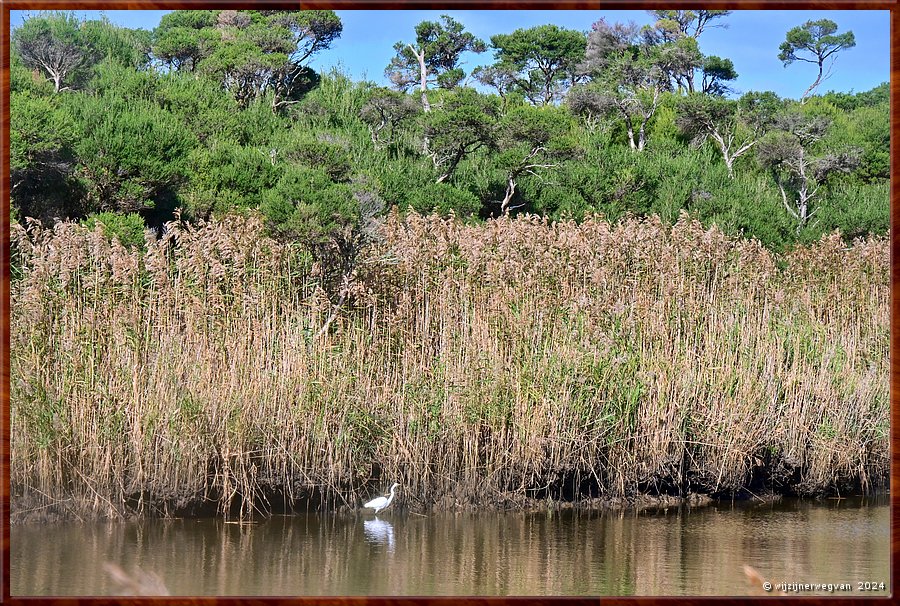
532,141
253,54
735,126
434,57
220,111
306,204
788,153
132,155
184,38
462,124
385,112
497,354
128,228
42,157
540,62
815,42
127,47
444,199
676,34
627,78
268,185
53,43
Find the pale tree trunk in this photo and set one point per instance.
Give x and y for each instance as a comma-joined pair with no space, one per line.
423,76
800,209
423,87
56,74
804,194
510,191
345,290
630,128
729,163
529,165
647,114
725,148
812,86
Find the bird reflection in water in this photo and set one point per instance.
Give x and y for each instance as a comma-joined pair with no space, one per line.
380,532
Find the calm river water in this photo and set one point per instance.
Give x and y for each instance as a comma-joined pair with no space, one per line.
688,552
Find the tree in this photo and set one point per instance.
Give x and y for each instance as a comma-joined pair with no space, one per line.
676,24
224,176
501,78
735,126
627,79
788,154
383,112
251,53
463,124
676,34
434,58
184,38
443,199
52,42
126,47
815,42
38,137
269,55
540,62
41,159
716,71
531,140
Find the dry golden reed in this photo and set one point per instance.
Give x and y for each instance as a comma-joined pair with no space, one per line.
474,364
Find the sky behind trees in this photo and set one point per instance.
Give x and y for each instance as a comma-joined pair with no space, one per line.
751,41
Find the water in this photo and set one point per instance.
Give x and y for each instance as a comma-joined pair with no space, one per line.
688,552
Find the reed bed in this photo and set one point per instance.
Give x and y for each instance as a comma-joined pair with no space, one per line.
474,364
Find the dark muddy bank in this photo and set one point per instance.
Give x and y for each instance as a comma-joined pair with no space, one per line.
32,507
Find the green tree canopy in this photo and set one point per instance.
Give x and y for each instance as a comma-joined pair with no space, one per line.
131,155
53,43
627,78
463,123
798,167
253,54
674,24
676,34
532,140
127,47
434,58
540,62
815,42
734,126
384,112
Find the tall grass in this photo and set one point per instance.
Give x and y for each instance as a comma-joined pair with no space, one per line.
477,364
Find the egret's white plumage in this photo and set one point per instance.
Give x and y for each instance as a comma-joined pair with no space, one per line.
381,502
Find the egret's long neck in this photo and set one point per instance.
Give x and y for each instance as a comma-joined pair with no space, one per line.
390,498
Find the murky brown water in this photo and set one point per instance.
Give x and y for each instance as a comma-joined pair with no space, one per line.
696,552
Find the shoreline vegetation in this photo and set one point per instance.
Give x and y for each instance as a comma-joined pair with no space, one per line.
501,364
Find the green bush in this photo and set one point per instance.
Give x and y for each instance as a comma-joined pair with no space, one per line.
128,229
443,199
226,176
305,204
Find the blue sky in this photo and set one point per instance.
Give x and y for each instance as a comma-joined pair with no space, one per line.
751,41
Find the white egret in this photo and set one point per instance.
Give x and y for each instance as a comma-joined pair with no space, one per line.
381,502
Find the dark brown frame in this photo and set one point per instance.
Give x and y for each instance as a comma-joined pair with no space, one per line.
6,5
